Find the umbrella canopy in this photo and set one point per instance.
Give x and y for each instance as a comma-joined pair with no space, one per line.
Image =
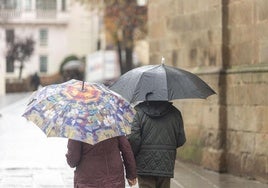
73,64
88,112
160,83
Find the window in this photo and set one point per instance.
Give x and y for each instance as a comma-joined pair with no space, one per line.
63,5
9,64
43,63
46,8
28,5
10,36
9,4
43,37
46,4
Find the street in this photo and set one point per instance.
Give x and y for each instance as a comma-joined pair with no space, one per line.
29,159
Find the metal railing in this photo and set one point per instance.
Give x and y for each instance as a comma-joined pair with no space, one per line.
37,14
10,14
46,14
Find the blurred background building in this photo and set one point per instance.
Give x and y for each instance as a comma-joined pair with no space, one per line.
59,28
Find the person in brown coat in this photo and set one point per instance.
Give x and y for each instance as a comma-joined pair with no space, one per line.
102,165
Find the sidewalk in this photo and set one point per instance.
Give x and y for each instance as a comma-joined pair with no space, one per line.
8,99
29,159
192,176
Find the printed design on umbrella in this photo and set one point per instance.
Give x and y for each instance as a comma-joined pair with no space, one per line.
90,93
89,115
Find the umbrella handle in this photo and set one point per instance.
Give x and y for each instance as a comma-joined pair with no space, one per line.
146,96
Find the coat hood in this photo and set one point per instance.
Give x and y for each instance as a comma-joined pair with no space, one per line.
155,109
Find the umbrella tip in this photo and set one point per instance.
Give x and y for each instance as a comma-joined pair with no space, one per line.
162,60
83,85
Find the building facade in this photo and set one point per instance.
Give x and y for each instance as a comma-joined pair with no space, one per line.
225,43
2,78
59,28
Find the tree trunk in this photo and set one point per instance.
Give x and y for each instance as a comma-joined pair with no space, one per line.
129,59
20,72
128,41
119,51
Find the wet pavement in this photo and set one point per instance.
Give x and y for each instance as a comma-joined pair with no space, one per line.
29,159
191,176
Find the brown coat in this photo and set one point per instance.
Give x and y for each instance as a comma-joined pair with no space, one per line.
101,165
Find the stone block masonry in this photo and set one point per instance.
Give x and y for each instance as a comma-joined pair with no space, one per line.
228,49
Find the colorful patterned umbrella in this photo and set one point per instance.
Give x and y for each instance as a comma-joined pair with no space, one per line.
88,112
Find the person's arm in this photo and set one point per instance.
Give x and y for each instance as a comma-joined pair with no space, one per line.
181,138
73,155
135,137
128,160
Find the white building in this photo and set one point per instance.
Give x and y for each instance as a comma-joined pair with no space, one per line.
2,75
59,28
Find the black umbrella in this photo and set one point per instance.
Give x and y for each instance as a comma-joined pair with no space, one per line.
73,64
160,83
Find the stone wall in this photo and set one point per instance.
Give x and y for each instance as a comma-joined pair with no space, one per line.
225,43
247,130
246,66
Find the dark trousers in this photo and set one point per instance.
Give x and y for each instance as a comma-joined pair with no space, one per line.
153,182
